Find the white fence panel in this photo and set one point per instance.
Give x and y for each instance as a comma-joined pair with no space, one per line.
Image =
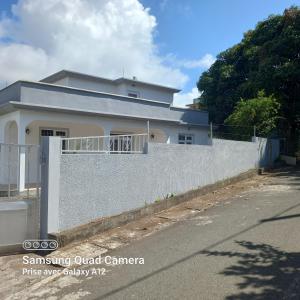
19,195
114,144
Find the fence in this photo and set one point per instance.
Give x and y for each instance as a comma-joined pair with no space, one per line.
121,144
111,184
19,195
19,169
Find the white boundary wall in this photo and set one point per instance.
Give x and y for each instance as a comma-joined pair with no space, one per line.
92,186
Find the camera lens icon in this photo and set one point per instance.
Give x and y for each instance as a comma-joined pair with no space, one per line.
27,245
36,245
53,245
44,245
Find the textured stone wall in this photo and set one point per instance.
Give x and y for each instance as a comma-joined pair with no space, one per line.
93,186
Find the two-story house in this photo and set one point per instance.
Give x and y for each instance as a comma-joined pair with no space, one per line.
72,104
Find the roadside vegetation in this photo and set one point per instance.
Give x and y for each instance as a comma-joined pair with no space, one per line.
267,59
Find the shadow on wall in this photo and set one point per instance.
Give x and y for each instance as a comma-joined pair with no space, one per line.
268,151
263,268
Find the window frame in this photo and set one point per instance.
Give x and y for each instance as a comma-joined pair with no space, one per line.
186,141
54,129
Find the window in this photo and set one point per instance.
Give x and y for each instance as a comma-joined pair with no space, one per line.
46,132
134,94
62,133
53,132
185,139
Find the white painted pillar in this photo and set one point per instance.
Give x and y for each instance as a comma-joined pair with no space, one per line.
22,157
2,130
50,192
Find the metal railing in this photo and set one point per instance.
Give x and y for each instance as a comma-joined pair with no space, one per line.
19,170
119,144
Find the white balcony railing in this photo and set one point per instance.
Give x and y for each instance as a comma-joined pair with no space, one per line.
122,144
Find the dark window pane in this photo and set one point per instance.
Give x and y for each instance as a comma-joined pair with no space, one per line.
46,132
60,133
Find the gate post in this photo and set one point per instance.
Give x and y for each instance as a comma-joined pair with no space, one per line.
22,168
50,178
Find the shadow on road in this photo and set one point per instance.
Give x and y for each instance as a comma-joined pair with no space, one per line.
280,218
262,267
291,173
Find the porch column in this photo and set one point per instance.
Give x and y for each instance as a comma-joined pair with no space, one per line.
22,158
2,131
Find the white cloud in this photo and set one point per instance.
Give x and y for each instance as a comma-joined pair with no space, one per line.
97,37
182,99
202,63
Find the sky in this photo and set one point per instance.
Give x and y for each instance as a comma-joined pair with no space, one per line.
169,42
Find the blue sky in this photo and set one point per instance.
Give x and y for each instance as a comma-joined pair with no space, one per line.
172,52
192,28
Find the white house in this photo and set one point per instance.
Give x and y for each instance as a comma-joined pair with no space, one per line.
71,104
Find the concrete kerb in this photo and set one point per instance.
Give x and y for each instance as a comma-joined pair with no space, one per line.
103,224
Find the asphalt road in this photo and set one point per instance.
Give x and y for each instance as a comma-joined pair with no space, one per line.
245,248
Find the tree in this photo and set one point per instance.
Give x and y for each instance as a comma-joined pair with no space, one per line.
261,112
267,58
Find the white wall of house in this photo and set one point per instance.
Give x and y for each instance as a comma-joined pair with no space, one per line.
9,128
105,87
24,126
144,91
83,125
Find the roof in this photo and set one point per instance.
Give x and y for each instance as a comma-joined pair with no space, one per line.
64,73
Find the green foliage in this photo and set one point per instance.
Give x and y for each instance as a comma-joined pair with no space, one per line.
261,112
267,58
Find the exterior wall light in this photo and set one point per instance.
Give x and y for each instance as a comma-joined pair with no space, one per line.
27,131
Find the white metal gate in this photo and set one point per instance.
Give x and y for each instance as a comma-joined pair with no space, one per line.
19,195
